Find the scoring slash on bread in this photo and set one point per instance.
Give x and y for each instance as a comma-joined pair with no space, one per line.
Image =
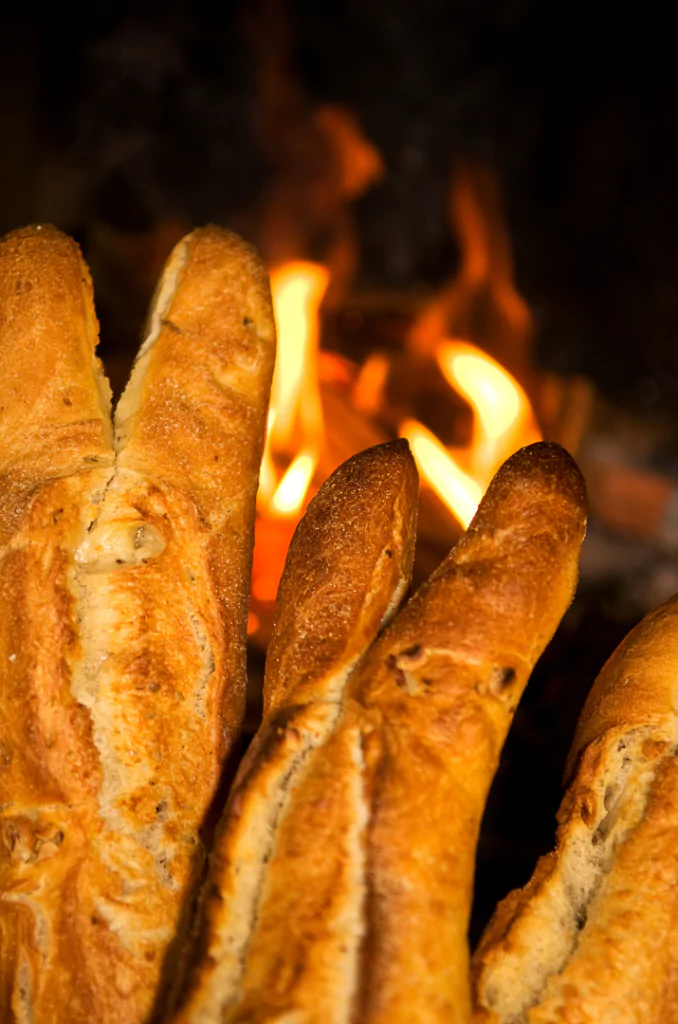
592,937
340,884
125,554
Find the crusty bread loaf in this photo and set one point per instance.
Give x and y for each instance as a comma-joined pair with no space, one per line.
346,573
438,691
364,886
124,577
592,938
348,566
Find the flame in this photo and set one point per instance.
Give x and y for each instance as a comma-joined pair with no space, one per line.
295,429
503,422
291,491
295,433
458,490
356,163
368,392
481,300
481,303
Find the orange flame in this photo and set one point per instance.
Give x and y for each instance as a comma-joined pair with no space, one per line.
368,392
459,491
503,422
481,300
482,303
295,421
295,432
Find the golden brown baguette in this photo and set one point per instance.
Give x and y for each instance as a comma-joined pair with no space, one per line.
348,566
592,938
346,573
439,691
123,592
364,906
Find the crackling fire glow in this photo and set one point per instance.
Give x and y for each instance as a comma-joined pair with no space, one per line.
457,490
503,422
480,302
295,429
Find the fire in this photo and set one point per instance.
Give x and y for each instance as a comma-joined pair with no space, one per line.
480,302
300,450
503,422
368,393
459,491
292,489
295,428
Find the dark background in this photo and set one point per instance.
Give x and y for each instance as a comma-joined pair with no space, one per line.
134,121
129,114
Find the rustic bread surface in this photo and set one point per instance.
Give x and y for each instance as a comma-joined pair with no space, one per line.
124,576
592,937
438,691
55,416
348,565
364,890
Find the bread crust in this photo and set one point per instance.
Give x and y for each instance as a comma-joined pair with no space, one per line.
193,416
592,936
637,687
347,568
342,581
55,417
123,595
438,691
364,905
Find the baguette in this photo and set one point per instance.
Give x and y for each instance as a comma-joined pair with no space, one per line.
363,904
347,569
593,936
124,577
437,694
